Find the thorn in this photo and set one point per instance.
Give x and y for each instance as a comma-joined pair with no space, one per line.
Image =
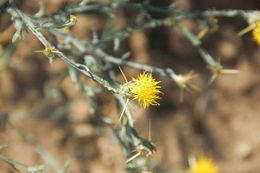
133,157
202,33
246,30
123,111
123,74
218,70
213,78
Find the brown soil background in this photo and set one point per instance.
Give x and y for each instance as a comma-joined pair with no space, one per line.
221,120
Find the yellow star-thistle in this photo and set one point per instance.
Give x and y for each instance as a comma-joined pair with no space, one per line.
204,165
256,32
145,89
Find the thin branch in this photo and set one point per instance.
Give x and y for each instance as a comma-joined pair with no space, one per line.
80,67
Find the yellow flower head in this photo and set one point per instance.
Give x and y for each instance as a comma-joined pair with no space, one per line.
256,32
145,89
204,165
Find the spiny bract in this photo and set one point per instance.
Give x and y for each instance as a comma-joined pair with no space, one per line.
145,89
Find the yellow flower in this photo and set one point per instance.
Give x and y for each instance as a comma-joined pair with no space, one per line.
145,89
256,32
204,165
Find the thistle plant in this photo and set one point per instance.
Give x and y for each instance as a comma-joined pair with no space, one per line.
145,89
91,60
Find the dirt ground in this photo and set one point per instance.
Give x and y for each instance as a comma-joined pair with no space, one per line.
221,120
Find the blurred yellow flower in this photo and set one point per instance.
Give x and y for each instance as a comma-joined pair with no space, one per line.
145,89
204,165
256,32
